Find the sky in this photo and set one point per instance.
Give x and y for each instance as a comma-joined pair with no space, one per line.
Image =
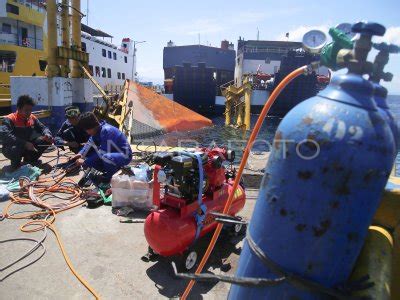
157,22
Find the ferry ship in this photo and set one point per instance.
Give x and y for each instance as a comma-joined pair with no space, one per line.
266,63
23,47
194,73
197,75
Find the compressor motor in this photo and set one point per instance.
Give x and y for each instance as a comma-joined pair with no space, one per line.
181,169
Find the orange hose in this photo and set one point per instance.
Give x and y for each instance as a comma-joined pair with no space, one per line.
246,153
26,197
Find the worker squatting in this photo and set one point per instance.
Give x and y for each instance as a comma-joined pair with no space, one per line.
95,143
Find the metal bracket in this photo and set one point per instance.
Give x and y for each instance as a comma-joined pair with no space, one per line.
245,281
227,219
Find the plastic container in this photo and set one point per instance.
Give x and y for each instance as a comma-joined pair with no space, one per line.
128,191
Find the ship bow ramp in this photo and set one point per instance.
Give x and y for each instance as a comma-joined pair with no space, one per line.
155,114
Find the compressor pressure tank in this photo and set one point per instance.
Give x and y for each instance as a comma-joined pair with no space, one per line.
331,158
170,231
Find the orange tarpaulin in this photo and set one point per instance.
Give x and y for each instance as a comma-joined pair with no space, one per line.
161,113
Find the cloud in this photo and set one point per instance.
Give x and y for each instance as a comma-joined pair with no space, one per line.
391,36
296,35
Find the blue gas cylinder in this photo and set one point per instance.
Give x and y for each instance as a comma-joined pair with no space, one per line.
380,95
331,158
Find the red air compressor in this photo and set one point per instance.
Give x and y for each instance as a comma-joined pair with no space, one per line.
182,216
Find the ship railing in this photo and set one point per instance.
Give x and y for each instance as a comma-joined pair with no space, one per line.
279,50
8,38
226,85
37,5
13,39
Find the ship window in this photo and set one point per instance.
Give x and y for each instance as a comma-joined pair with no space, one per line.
42,65
109,54
115,56
103,72
109,73
6,28
91,70
83,47
104,52
7,61
12,9
123,75
126,59
119,75
97,71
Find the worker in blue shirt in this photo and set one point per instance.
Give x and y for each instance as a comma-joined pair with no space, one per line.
107,149
70,134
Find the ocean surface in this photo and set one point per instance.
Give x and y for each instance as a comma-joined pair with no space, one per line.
233,138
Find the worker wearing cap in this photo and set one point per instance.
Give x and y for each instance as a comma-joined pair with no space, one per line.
70,134
24,136
107,149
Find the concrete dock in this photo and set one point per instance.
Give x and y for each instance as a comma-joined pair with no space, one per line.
107,254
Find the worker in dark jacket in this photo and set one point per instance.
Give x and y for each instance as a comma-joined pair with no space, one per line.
70,134
107,149
24,135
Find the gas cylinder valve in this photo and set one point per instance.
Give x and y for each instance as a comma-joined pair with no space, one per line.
381,59
356,59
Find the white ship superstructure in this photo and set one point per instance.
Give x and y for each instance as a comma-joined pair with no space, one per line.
110,65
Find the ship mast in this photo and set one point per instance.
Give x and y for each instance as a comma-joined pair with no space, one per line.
87,12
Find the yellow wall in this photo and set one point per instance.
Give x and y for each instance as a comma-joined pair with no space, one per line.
27,15
26,64
27,61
